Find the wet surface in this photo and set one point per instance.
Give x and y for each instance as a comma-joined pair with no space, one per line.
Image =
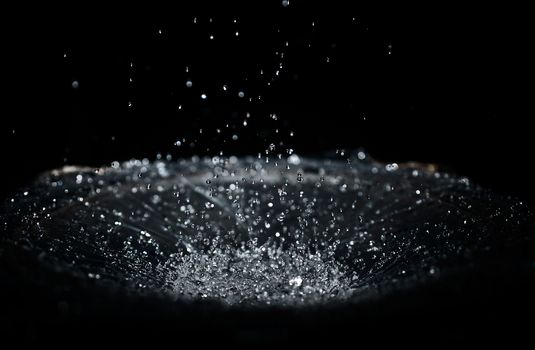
249,231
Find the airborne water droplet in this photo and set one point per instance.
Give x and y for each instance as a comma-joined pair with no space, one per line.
294,159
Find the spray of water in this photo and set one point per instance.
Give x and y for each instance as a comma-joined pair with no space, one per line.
246,230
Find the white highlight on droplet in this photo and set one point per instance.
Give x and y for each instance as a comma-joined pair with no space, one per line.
392,167
294,159
296,281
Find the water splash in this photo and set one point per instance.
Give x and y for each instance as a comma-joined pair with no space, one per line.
248,230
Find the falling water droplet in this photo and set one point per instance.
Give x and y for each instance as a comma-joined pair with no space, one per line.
294,159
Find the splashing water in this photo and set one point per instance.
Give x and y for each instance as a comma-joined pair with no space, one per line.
291,232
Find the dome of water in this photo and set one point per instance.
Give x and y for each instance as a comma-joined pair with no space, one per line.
251,231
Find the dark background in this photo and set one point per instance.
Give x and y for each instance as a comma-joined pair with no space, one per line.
420,83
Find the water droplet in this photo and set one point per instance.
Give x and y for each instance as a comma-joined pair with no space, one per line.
294,159
392,167
296,281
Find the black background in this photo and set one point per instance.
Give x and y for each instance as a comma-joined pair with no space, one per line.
451,91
